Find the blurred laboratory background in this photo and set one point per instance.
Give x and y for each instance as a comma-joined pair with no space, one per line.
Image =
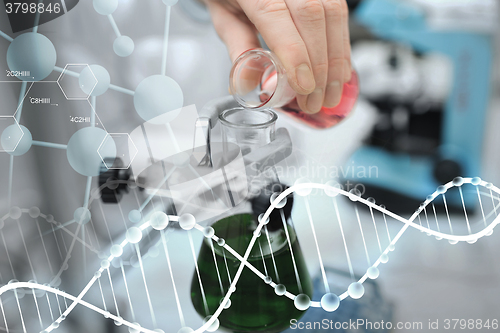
428,111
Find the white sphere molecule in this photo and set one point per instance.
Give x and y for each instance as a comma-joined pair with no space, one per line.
215,325
16,140
280,290
134,235
302,302
330,302
123,46
158,220
373,272
15,212
134,216
332,188
94,80
187,221
105,7
280,204
303,191
356,290
116,250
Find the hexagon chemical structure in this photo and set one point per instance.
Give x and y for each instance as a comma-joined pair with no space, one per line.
20,104
126,151
72,90
16,104
4,119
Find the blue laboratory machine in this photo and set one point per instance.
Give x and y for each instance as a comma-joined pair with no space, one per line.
405,174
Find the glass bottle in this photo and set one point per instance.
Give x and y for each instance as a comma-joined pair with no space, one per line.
249,129
258,80
254,305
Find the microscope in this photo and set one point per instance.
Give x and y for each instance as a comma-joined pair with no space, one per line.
423,145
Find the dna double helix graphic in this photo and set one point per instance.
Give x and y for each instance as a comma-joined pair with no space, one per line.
455,228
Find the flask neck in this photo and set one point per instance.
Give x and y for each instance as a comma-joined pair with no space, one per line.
249,129
258,80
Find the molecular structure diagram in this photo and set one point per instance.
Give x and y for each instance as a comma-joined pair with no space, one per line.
158,99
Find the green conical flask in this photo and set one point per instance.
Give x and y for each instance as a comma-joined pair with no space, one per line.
255,305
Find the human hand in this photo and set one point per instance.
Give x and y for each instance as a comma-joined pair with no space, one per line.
310,37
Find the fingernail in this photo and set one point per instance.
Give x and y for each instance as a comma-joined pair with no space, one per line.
305,77
315,101
347,71
333,94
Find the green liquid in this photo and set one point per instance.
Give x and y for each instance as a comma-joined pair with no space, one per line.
255,307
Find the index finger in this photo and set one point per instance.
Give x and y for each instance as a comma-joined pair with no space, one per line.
274,22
